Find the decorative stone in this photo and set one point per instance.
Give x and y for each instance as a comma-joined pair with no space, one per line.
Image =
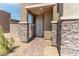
54,33
23,31
69,38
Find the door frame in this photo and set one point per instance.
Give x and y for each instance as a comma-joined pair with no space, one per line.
42,25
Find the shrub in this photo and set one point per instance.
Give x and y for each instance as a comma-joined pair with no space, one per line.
6,44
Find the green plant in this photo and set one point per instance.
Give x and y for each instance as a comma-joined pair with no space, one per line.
6,44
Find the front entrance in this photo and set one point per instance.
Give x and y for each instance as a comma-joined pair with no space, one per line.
39,26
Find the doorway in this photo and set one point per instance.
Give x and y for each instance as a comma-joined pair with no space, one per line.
39,32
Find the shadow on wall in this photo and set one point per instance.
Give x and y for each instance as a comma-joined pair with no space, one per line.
58,42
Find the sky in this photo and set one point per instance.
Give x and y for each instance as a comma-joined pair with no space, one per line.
12,8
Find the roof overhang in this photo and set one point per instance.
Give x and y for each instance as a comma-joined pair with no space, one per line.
39,5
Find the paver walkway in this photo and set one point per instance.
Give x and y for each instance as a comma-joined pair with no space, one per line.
37,47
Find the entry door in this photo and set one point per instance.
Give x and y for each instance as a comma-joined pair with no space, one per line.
39,26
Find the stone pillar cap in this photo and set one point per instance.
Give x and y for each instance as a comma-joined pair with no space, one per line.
54,21
23,22
69,17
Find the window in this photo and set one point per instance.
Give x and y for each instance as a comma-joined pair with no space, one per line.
30,18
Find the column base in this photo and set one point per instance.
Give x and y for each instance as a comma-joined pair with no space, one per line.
24,31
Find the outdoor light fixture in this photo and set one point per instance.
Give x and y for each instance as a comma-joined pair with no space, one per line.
41,8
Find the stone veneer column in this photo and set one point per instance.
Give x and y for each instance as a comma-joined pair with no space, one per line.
69,36
24,26
54,33
24,31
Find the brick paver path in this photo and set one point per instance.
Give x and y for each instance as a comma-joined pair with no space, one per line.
37,47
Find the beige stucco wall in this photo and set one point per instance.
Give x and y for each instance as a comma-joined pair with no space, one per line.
24,11
5,20
55,13
48,17
23,15
71,9
47,24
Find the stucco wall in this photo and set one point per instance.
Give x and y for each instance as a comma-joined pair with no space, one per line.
67,31
70,30
23,10
47,25
4,20
55,13
70,9
48,17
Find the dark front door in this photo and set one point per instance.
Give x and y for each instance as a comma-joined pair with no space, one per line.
39,26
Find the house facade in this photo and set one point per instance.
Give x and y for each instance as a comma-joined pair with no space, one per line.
69,31
4,20
58,22
41,16
66,30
